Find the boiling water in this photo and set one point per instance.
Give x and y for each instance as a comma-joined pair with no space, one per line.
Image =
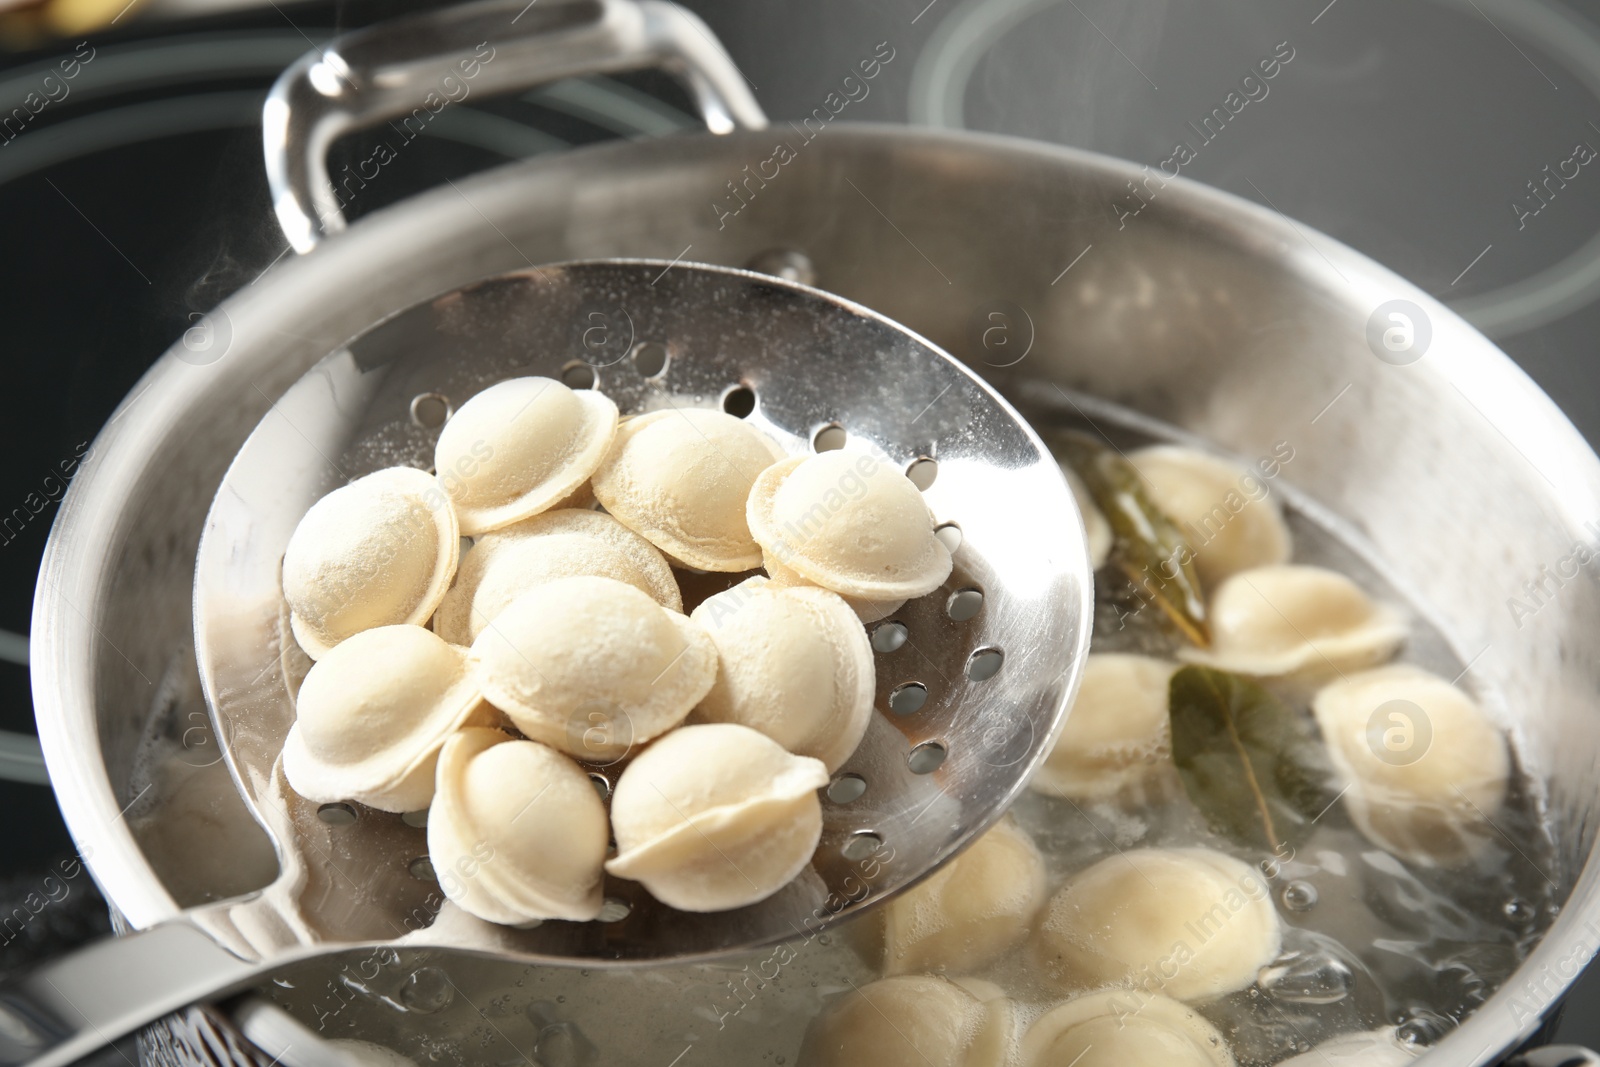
1368,942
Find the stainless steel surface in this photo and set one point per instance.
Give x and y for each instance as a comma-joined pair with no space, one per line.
422,63
1556,1056
1225,319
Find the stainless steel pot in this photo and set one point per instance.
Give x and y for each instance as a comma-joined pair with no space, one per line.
1044,268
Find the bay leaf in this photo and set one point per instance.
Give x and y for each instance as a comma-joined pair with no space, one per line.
1253,765
1148,547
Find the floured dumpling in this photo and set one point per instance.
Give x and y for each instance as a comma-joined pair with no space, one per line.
555,544
867,611
909,1021
794,664
970,912
517,832
1095,526
849,523
1123,1028
680,478
1425,767
1118,732
520,447
715,817
593,667
1198,922
378,552
1280,620
371,715
1370,1048
1215,504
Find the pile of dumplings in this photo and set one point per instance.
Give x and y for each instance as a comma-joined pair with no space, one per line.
485,683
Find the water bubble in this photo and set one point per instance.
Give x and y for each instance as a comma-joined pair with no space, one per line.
1308,978
426,990
563,1045
1422,1027
1519,911
1299,896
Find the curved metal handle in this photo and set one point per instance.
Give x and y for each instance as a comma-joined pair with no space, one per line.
410,69
1555,1056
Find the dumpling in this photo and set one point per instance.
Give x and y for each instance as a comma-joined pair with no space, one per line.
378,552
593,667
849,523
1193,921
909,1021
1425,767
794,664
1095,526
519,447
867,611
970,912
555,544
1123,1028
1118,732
517,832
715,817
372,714
680,478
1214,503
1281,620
1370,1048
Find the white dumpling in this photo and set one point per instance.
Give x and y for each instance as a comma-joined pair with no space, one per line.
378,552
1370,1048
1123,1028
1213,503
849,523
517,832
1425,768
1283,620
1195,921
793,663
503,565
372,714
593,667
1118,732
867,611
680,479
520,447
909,1021
1095,526
971,911
715,817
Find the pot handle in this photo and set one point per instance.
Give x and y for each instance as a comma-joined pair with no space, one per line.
1555,1056
418,65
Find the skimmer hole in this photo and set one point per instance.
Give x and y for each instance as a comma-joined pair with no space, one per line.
890,637
579,375
739,401
861,844
421,869
430,410
984,664
964,604
614,910
650,358
415,818
926,757
602,785
830,438
337,814
908,698
922,472
846,787
949,536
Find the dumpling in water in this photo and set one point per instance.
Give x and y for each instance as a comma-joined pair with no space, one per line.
1118,732
1225,511
793,663
520,447
969,913
1371,1048
1195,920
715,817
1123,1028
1283,620
503,565
909,1021
378,552
849,523
1425,768
680,478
